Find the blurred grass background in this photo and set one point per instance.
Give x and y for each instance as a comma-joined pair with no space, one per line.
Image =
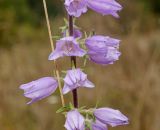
132,84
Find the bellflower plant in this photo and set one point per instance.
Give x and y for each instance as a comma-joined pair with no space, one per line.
72,43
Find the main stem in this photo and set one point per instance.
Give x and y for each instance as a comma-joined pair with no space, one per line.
73,63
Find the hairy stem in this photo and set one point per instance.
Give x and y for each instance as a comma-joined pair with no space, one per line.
56,71
73,62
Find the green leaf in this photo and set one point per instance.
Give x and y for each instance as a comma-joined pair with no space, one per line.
65,21
71,106
81,108
97,103
88,125
63,71
56,37
85,61
85,34
60,110
65,108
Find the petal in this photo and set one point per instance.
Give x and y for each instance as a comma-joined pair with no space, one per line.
55,55
66,89
101,43
83,76
88,84
77,33
68,80
104,58
72,75
27,86
41,97
98,126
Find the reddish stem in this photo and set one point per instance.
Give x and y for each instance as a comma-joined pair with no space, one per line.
73,63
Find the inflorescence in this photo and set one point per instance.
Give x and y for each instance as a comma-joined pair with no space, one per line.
99,49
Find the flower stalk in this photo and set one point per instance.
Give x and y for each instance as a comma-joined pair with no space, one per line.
56,71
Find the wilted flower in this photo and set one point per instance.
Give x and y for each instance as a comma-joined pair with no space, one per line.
76,33
105,7
76,78
76,7
110,117
74,121
39,89
97,125
102,50
67,46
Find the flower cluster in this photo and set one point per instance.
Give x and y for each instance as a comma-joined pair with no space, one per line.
44,87
103,118
104,7
99,49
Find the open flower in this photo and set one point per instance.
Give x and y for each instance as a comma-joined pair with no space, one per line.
39,89
74,121
97,125
75,7
105,7
67,46
110,117
74,79
102,49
